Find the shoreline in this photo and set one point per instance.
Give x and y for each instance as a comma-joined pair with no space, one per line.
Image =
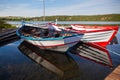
18,23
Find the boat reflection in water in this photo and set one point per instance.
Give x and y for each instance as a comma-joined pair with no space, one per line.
59,63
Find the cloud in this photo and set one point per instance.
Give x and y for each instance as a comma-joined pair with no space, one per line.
3,4
46,0
85,7
20,10
90,7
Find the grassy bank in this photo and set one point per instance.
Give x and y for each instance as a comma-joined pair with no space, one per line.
106,17
3,25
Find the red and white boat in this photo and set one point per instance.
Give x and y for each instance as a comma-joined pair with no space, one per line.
86,28
101,35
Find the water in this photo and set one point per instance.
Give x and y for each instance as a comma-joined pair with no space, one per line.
69,22
14,65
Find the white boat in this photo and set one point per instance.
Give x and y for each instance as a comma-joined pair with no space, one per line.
48,38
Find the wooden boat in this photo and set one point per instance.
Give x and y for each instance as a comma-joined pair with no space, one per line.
100,35
91,28
48,38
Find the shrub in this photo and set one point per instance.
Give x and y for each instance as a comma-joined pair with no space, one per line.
3,24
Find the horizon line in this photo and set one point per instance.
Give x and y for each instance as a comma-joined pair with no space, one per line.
66,15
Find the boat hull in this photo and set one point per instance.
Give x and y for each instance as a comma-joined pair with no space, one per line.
61,45
102,38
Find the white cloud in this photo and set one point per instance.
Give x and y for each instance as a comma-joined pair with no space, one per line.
83,8
47,0
20,10
89,7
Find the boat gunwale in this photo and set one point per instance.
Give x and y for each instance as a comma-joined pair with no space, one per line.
43,38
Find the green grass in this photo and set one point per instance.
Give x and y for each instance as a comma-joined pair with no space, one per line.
3,24
105,17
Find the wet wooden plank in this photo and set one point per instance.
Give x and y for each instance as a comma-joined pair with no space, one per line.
8,36
115,75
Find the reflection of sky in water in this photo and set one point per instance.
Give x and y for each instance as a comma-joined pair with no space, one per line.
10,54
14,64
118,36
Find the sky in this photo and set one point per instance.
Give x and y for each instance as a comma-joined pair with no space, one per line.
34,8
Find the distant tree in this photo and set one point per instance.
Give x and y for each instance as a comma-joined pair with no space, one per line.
107,17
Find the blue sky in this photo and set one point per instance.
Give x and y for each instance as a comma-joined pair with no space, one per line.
32,8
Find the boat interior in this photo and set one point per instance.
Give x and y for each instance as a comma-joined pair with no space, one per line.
42,32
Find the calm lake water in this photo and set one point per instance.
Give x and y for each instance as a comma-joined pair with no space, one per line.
14,65
69,22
